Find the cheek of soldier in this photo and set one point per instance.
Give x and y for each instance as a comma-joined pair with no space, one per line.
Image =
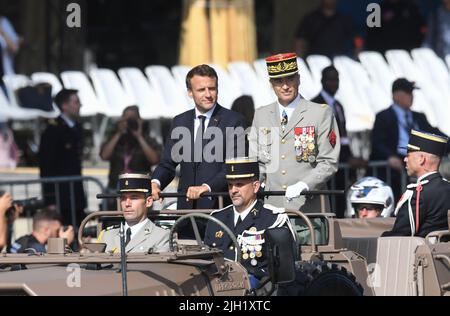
412,161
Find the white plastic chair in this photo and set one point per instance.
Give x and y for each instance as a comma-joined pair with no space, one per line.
79,81
429,98
316,64
151,106
49,78
433,67
249,83
447,60
164,83
179,73
110,91
17,81
378,69
308,86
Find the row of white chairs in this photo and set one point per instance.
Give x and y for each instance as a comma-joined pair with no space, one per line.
365,87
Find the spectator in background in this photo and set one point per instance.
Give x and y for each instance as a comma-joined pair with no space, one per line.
438,30
370,197
402,27
324,32
10,43
330,86
46,224
244,105
9,211
129,149
391,130
60,154
9,152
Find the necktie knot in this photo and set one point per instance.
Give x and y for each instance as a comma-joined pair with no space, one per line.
284,120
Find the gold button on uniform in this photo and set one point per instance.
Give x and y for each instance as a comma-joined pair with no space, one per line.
283,157
231,248
283,172
284,187
283,141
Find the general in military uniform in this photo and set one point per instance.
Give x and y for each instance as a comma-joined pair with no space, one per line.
423,207
246,217
296,141
60,154
141,234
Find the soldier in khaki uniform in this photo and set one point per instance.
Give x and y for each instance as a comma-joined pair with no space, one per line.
296,141
140,233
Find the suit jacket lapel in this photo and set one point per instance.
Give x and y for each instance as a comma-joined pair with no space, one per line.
140,237
215,117
297,116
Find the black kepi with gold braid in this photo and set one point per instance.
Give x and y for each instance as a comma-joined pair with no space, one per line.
242,168
282,65
429,143
135,182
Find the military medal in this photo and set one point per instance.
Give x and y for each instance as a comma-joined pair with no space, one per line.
245,256
254,262
251,242
258,254
258,248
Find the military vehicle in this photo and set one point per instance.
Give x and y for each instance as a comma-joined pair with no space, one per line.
330,257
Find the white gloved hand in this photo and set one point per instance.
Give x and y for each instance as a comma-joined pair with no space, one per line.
295,190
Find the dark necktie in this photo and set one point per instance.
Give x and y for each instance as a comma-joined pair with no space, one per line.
284,120
198,144
238,221
128,238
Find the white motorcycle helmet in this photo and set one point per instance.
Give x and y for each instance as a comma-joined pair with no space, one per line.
370,190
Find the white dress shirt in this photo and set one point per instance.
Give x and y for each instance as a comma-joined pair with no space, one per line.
290,108
244,214
135,228
208,116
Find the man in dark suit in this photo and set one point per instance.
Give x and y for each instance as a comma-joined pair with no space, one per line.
247,218
330,86
60,154
390,134
423,207
200,140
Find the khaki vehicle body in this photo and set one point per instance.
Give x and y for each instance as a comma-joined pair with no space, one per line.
335,257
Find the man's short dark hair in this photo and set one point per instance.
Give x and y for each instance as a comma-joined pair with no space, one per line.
63,96
327,70
202,71
45,215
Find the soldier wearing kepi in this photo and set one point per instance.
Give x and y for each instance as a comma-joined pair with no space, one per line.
296,141
423,207
247,218
140,233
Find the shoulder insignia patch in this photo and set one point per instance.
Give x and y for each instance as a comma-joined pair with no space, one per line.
332,138
112,227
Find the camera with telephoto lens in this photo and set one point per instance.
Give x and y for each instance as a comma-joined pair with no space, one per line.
132,125
30,206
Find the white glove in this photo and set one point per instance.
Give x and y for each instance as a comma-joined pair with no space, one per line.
294,190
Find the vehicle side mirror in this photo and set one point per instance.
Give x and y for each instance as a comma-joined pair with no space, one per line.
281,254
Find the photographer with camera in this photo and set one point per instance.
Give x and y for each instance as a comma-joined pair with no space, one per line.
46,224
9,211
129,149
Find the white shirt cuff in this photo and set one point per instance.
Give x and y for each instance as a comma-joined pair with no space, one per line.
157,182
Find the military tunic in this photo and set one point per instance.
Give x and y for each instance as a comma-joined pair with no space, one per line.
434,203
249,234
149,236
307,150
